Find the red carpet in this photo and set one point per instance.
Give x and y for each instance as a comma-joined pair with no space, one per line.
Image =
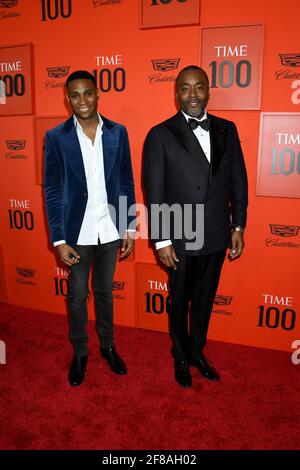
255,406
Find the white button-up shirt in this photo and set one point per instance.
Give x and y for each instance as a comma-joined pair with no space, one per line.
202,135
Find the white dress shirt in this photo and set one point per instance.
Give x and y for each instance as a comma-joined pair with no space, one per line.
97,223
203,138
202,135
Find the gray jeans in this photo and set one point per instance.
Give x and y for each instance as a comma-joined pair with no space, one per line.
102,258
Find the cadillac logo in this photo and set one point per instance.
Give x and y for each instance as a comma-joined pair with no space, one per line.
58,72
15,144
223,300
290,60
8,3
25,272
164,65
118,285
99,3
284,230
25,276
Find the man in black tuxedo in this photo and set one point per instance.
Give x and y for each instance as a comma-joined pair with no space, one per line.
195,159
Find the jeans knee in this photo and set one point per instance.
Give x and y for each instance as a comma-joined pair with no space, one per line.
77,298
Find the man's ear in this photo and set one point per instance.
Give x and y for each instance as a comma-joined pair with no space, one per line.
67,97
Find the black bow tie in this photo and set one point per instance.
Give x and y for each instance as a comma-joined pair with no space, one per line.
205,124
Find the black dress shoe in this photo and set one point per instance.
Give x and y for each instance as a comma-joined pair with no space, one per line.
77,370
182,373
114,360
204,367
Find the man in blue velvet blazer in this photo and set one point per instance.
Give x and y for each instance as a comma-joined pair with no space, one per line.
88,189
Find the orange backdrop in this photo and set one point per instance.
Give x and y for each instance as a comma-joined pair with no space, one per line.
258,299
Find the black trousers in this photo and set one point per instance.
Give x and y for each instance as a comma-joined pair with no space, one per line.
103,259
193,288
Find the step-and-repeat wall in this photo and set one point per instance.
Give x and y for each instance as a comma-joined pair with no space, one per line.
135,48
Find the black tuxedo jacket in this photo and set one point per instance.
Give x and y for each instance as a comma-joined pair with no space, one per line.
176,171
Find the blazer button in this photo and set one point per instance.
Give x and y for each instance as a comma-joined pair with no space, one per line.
198,188
85,194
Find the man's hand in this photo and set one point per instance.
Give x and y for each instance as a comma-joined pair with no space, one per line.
168,257
237,245
67,254
127,245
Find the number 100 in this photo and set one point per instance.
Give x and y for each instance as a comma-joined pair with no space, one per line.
225,75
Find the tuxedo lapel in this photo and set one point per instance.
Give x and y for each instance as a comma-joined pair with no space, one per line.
71,148
185,136
218,137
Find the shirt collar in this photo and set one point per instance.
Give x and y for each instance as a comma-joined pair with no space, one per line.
187,117
78,125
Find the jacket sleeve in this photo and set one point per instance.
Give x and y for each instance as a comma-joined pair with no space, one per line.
239,183
154,185
53,189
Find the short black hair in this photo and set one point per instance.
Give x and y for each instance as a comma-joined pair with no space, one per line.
189,68
78,74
